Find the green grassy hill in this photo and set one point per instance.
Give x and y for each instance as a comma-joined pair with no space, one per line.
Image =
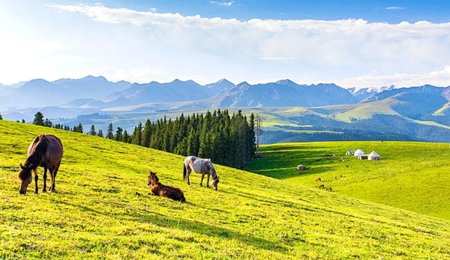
96,213
410,175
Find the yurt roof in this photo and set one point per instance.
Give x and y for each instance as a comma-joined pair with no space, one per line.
373,153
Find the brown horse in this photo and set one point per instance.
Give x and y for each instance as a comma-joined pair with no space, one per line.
45,151
199,165
162,190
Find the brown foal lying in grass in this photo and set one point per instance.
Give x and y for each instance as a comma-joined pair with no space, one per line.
162,190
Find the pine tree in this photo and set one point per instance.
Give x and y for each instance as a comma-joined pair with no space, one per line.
80,128
125,137
251,146
1,117
92,132
48,123
38,119
118,136
258,133
137,135
226,140
100,133
110,134
147,134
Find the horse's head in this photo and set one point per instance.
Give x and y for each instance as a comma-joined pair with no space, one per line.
215,182
152,178
210,169
25,177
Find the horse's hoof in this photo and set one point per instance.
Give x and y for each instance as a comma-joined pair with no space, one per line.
44,190
36,192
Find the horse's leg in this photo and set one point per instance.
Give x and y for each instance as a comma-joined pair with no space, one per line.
36,178
201,181
45,180
53,173
188,172
207,184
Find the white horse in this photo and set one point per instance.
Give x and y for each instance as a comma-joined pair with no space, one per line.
202,166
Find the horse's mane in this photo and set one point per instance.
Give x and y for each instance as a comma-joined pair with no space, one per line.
38,149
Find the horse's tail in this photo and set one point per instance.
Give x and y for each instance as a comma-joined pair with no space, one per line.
184,172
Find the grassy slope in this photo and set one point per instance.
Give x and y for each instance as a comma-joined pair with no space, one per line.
96,214
410,175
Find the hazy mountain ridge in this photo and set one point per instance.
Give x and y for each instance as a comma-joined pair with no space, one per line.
40,93
65,100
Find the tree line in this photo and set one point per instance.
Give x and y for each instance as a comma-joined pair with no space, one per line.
226,139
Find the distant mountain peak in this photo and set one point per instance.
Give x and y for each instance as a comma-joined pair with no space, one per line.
224,81
90,77
38,81
242,84
286,82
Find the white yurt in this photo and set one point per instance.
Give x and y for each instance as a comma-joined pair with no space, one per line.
350,152
373,156
358,153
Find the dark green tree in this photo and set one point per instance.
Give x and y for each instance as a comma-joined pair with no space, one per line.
92,132
146,135
48,123
228,140
137,135
38,119
125,137
110,134
78,128
100,133
118,136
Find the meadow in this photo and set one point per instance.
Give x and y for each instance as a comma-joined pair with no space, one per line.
102,210
410,175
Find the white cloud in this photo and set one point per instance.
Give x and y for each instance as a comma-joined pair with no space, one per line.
279,58
142,46
440,78
222,3
394,8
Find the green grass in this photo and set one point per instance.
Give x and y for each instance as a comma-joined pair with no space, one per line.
96,213
410,175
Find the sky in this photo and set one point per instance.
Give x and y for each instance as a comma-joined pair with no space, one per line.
352,43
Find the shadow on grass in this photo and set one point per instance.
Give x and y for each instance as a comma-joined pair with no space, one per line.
283,165
192,226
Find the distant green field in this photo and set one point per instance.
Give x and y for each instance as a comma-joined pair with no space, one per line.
102,210
410,175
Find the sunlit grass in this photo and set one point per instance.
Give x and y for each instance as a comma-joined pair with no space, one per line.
102,211
410,175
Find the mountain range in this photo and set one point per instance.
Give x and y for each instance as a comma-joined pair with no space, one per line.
325,107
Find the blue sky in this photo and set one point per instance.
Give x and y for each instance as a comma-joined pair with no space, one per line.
357,43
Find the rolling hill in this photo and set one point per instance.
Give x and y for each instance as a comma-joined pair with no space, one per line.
410,175
102,210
